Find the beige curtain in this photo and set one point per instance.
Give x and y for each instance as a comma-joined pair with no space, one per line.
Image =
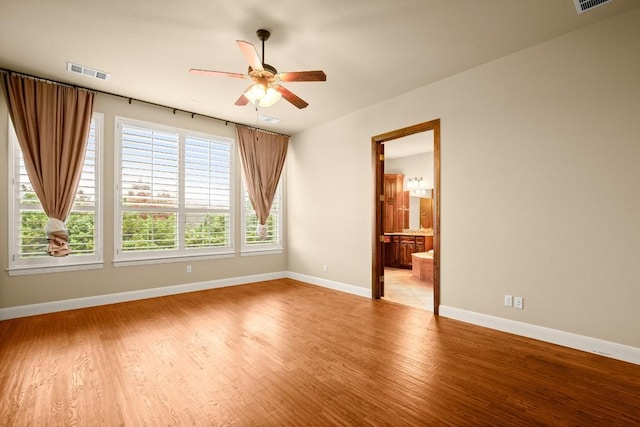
52,123
263,155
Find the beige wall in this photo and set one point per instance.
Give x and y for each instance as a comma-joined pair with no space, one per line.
540,184
32,289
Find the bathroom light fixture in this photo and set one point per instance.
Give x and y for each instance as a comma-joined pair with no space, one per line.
416,183
418,187
264,96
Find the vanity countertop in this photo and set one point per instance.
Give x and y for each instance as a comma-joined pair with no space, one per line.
412,233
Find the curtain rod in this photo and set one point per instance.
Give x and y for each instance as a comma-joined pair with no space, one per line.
226,122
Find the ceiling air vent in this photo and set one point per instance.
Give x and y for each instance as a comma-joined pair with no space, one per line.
584,5
86,71
268,119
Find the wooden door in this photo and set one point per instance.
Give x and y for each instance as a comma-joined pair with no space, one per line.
390,217
378,255
393,202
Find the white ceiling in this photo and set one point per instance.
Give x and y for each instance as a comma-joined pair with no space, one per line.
417,143
371,50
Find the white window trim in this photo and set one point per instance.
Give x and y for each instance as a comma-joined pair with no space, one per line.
262,249
54,264
121,259
24,271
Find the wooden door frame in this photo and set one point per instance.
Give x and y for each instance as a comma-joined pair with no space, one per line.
377,150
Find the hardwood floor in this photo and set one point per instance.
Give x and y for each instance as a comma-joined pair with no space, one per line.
285,353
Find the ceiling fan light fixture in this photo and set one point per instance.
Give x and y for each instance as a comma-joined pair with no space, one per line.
264,98
271,97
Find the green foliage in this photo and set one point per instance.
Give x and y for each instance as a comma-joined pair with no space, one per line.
148,231
80,226
33,239
82,229
145,231
211,231
141,231
251,236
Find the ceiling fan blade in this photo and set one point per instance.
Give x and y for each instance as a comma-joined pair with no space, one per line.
217,73
303,76
290,96
243,100
250,54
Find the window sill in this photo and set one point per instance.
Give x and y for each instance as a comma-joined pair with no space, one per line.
256,252
123,262
26,270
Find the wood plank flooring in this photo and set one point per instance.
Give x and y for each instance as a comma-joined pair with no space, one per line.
284,353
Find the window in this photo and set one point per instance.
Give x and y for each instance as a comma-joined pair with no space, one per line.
273,242
174,193
27,218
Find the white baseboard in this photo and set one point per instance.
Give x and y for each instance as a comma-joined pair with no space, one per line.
579,342
566,339
338,286
94,301
72,304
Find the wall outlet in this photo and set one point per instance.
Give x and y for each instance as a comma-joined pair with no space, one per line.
189,269
508,300
325,268
518,302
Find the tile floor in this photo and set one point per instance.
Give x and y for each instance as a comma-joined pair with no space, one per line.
400,286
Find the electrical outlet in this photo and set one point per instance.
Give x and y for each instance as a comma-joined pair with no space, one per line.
518,302
188,269
508,300
325,268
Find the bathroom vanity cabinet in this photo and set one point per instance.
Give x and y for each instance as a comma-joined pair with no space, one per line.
398,248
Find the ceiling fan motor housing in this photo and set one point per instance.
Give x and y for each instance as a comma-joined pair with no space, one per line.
263,35
268,68
266,75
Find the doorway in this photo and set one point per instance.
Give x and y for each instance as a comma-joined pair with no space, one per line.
378,245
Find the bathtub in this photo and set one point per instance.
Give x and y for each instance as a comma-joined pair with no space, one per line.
422,266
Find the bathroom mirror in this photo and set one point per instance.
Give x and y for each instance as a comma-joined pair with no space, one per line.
420,212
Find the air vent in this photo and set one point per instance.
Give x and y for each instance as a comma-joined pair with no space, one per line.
86,71
268,119
584,5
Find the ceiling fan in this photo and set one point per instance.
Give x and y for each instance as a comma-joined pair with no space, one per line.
266,88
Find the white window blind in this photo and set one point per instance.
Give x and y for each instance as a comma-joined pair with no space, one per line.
150,188
251,242
28,218
175,192
207,192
